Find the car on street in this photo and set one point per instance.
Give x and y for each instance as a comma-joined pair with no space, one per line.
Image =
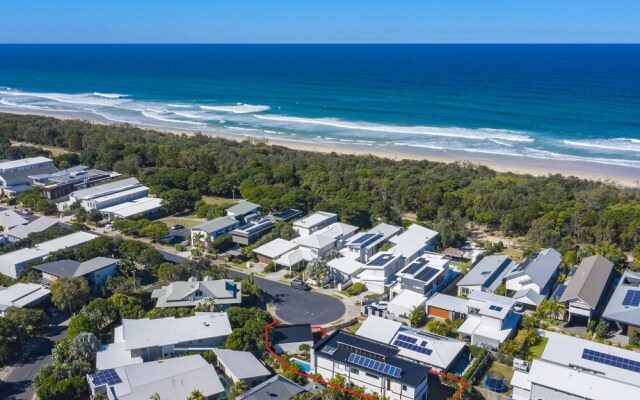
299,284
176,227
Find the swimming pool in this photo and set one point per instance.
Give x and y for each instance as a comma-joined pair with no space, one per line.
304,366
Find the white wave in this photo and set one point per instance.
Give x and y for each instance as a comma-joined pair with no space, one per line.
474,134
109,95
501,143
237,109
8,103
83,99
545,154
158,116
618,144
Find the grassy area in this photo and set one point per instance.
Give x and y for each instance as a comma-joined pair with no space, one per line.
55,151
505,370
188,222
536,351
219,200
514,254
354,328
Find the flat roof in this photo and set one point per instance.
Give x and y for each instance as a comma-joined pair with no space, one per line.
134,207
101,190
23,162
242,364
315,219
620,310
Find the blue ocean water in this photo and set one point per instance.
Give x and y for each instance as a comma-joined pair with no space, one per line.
556,102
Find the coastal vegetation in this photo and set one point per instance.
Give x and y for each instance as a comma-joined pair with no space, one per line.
553,211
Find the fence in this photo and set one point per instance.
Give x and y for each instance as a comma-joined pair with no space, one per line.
490,395
481,368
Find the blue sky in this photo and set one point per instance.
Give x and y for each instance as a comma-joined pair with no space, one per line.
320,21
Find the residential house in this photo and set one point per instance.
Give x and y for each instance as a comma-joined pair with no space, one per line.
571,368
250,233
587,287
276,388
297,259
438,352
362,246
14,175
173,378
109,194
36,226
491,319
23,295
338,232
241,366
442,306
12,264
486,275
223,292
623,308
379,271
426,275
285,215
376,366
10,219
414,241
289,338
269,252
344,269
531,281
145,207
95,271
314,222
244,211
138,340
210,230
61,183
403,303
320,245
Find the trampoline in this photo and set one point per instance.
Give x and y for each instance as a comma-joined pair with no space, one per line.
495,381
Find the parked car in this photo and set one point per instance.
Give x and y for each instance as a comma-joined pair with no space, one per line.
176,227
298,284
381,305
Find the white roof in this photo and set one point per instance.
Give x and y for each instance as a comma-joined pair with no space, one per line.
314,241
275,248
412,241
39,225
242,364
447,302
521,379
21,295
346,265
115,355
143,333
314,219
408,299
338,230
295,256
173,378
483,301
21,163
529,296
41,250
134,207
10,218
378,328
473,326
101,190
118,195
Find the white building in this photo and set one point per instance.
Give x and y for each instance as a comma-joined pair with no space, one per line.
362,246
223,292
12,264
486,275
575,369
536,275
210,230
14,175
426,275
23,295
269,252
403,303
10,219
138,340
438,352
376,366
491,319
241,366
174,378
22,231
314,222
109,194
137,208
377,273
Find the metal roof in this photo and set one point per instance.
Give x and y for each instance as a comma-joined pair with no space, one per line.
589,282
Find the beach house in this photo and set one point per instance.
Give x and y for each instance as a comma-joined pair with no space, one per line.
531,281
623,308
223,292
486,275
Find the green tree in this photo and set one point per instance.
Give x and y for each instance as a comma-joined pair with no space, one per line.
251,289
69,293
602,329
237,389
10,342
438,327
196,395
552,309
31,320
417,317
83,347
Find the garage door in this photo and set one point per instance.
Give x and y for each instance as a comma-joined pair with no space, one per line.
438,312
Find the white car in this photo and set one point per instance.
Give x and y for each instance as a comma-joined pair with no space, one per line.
381,305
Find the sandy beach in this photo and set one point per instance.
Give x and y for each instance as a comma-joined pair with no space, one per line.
618,175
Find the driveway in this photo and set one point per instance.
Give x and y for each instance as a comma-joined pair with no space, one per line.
297,306
17,383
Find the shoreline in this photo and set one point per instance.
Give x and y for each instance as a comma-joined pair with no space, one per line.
617,175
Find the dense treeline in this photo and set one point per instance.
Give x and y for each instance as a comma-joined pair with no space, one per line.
551,211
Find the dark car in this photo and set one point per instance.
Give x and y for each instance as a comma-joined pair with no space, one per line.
298,284
176,227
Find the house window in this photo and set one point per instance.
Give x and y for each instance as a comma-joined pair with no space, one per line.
355,371
371,375
198,293
404,388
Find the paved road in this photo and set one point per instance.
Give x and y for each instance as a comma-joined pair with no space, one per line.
17,384
297,306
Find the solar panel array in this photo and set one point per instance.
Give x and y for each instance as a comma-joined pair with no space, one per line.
415,266
426,274
365,238
329,349
632,298
381,260
286,214
609,359
374,365
410,343
106,376
495,308
255,227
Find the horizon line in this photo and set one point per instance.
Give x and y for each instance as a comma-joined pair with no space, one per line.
323,43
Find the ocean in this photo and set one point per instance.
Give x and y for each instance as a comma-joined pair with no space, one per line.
578,103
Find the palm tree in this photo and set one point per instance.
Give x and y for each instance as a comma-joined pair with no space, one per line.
552,308
196,395
155,396
252,289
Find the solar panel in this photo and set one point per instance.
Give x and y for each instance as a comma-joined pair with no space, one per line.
609,359
426,274
495,308
381,260
407,339
632,298
374,365
287,214
363,238
329,349
106,376
415,266
409,346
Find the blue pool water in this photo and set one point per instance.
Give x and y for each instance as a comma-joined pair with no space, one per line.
304,366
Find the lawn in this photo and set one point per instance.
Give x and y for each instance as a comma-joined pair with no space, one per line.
504,369
55,151
514,254
354,328
536,351
219,200
188,222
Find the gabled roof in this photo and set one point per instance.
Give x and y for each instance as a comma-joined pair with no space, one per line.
10,218
346,265
242,364
337,230
243,208
539,267
105,189
314,241
39,225
450,303
181,294
315,219
589,282
295,256
275,388
10,164
529,296
619,310
488,272
21,295
71,268
378,328
276,248
216,224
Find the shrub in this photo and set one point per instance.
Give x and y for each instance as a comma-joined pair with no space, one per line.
356,289
271,267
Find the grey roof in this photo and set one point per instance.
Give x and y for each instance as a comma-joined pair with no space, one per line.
243,208
242,364
71,268
39,225
276,388
101,190
216,224
26,173
529,296
21,295
10,218
615,310
539,267
589,281
488,273
181,294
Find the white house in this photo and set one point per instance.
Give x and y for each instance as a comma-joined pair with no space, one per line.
145,339
109,194
210,230
426,275
10,219
403,303
314,222
241,366
623,308
23,231
338,231
277,387
377,273
320,245
376,366
243,211
22,295
486,275
137,208
14,175
571,368
174,378
536,275
362,246
223,292
269,252
491,319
